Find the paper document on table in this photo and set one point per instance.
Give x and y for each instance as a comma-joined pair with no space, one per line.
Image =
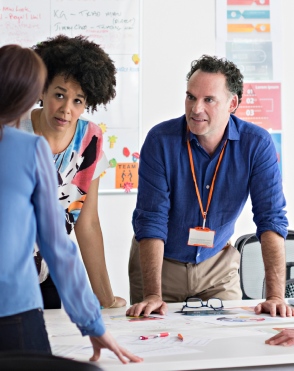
245,319
121,322
159,346
62,329
124,318
273,330
242,309
65,350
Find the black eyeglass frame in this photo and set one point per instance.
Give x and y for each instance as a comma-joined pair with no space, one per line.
202,304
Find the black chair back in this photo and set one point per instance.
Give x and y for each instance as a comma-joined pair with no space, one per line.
11,361
252,277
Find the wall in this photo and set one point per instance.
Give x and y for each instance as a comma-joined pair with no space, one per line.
174,32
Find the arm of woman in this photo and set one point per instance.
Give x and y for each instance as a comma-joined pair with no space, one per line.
90,240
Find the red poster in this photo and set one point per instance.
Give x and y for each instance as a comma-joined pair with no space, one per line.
261,105
248,2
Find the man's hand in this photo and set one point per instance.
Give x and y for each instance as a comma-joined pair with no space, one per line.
151,303
108,342
285,337
275,306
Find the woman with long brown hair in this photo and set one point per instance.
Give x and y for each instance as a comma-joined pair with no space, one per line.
28,176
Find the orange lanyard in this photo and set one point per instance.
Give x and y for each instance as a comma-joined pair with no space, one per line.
204,213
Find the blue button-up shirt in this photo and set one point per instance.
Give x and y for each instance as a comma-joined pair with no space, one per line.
30,211
167,205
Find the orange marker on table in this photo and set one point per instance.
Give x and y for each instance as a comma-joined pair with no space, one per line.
181,337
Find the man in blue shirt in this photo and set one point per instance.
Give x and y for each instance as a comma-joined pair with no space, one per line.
196,173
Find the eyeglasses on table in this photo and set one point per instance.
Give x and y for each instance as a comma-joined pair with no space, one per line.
195,302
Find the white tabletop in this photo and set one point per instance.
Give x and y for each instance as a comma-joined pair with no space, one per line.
209,343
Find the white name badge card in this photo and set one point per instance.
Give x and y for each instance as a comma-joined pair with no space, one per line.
199,236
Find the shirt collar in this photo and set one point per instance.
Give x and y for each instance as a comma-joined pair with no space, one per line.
231,131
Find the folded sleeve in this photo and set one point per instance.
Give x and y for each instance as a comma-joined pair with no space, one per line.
266,191
150,218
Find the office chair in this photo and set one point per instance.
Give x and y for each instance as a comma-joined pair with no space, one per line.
289,292
252,268
17,361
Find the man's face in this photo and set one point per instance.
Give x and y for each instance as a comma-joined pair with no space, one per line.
208,104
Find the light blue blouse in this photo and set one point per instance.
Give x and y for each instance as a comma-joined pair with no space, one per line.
29,212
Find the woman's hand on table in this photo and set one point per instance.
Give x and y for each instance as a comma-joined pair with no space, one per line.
108,342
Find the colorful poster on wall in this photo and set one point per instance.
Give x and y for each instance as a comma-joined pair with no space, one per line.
249,34
126,176
249,43
254,58
261,104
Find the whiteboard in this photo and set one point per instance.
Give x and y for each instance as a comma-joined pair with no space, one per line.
115,26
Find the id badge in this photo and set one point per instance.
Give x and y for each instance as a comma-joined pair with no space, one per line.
199,236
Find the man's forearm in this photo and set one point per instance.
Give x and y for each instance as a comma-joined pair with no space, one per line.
273,252
151,257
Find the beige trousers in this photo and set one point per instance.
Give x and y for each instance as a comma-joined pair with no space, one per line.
215,277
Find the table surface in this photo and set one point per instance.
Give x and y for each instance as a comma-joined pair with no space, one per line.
209,343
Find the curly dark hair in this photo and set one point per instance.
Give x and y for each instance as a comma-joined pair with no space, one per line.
82,60
234,77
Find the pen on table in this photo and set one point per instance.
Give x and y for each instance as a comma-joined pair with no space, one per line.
181,337
160,335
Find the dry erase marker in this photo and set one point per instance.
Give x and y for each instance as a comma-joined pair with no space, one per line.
160,335
181,337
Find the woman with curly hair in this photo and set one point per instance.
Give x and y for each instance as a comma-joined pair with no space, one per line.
80,76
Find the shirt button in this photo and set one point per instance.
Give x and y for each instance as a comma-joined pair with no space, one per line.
207,187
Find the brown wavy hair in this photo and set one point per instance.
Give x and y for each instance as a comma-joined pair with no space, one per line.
22,79
213,64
